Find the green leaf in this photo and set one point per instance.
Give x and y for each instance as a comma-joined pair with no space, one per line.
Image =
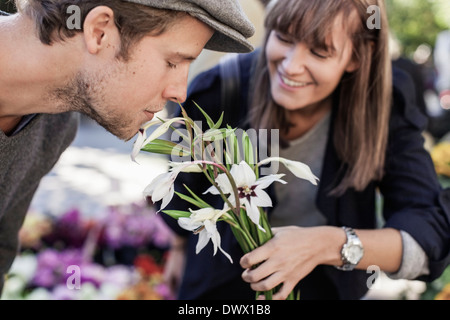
189,199
194,200
240,237
219,123
203,203
248,149
264,236
176,214
232,147
165,147
207,117
187,123
217,134
183,111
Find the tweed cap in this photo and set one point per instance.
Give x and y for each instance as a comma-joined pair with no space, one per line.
226,17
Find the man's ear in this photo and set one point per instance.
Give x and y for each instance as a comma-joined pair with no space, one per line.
100,30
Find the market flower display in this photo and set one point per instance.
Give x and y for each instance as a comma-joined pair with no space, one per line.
119,254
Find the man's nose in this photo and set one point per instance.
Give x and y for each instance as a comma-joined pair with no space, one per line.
176,90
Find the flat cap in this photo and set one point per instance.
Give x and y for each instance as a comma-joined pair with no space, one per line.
226,17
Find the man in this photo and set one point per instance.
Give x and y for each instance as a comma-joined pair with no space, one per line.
117,61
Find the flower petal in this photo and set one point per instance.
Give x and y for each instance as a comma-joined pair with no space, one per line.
225,253
188,224
262,199
161,188
212,190
167,198
223,183
138,144
187,167
163,128
302,171
266,181
160,179
243,174
203,239
253,213
299,169
212,233
217,240
203,214
141,139
211,228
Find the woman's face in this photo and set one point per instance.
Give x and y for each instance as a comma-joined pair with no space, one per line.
303,77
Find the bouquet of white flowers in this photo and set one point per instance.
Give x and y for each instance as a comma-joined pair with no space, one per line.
231,165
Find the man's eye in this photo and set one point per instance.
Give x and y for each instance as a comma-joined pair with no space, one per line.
171,65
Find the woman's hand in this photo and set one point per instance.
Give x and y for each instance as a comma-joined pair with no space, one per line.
290,256
294,252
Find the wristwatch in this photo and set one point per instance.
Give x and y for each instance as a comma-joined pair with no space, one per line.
352,251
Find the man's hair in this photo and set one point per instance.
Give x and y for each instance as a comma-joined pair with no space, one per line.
134,21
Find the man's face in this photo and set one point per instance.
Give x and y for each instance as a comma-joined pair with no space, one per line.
122,96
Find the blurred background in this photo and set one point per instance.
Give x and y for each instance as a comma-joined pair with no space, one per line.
89,211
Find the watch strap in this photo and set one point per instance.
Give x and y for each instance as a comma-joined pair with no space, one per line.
352,239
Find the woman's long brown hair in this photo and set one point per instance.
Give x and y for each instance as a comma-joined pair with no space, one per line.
362,119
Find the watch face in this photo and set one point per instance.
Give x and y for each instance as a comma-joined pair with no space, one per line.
353,254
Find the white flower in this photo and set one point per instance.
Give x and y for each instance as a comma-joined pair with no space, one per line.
142,139
203,222
299,169
162,187
187,167
162,129
250,190
138,144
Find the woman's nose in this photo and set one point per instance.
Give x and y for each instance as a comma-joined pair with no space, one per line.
295,59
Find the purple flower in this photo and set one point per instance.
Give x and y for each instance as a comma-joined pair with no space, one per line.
52,267
61,292
70,229
139,227
49,271
92,273
162,233
164,291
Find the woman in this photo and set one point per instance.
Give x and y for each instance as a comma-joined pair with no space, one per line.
324,80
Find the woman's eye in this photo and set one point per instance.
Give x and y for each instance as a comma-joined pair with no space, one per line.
283,38
322,54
